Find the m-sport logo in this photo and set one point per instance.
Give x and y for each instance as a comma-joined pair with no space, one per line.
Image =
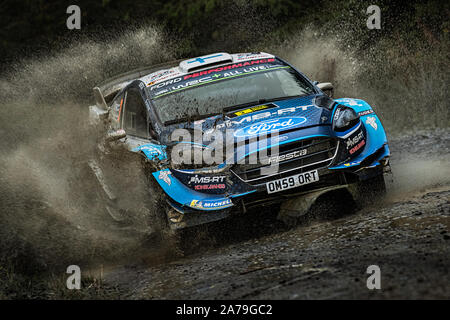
269,126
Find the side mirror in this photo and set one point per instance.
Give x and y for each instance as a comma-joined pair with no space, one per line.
99,99
115,135
327,88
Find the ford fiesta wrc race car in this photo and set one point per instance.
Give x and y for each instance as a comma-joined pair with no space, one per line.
312,143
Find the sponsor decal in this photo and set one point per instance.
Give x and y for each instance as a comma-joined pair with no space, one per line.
337,113
250,56
229,67
216,204
357,147
372,122
164,175
350,164
226,72
353,141
196,204
209,186
253,109
262,115
364,113
165,83
270,126
210,204
288,156
158,80
160,74
206,179
157,77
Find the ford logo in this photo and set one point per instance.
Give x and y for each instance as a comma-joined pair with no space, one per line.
269,126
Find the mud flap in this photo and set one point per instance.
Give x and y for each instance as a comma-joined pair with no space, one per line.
296,207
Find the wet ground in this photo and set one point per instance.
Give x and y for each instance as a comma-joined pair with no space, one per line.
406,234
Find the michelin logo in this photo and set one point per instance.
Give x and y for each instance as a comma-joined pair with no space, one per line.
208,204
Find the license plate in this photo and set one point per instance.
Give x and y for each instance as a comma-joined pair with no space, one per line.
292,181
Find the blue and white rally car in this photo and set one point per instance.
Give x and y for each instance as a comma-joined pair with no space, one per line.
320,144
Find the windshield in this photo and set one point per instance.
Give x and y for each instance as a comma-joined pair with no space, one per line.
208,99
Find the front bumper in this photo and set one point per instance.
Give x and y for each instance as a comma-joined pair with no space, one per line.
188,215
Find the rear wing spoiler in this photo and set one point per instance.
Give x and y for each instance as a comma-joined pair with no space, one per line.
106,91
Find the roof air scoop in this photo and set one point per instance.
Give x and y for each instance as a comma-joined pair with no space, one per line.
205,61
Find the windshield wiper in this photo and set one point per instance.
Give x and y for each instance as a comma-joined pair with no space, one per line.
260,101
192,118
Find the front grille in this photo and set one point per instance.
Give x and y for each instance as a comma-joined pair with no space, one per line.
320,152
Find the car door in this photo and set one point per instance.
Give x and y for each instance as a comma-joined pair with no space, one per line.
134,119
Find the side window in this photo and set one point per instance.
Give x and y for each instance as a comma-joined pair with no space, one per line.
135,115
116,110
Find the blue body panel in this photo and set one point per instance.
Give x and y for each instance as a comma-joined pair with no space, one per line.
308,121
185,196
152,151
375,134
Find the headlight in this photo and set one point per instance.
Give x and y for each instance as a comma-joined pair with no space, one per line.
344,118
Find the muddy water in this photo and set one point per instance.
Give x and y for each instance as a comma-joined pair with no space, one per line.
407,235
48,207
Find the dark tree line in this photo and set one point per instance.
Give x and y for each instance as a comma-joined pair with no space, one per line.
29,27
